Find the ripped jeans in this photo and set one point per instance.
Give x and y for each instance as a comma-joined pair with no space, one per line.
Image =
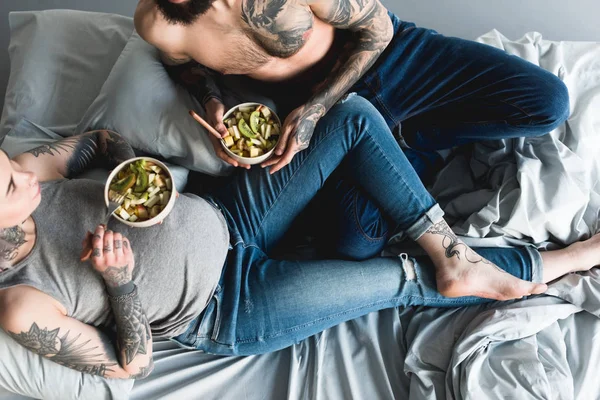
263,304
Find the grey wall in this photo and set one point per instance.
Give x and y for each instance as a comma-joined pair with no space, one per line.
555,19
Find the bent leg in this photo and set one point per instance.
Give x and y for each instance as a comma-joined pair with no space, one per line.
351,225
447,91
260,207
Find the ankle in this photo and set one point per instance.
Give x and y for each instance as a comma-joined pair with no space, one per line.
579,256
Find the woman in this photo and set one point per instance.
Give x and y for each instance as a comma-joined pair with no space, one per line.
205,277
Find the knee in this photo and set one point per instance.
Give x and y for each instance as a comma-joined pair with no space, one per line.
362,231
553,106
357,112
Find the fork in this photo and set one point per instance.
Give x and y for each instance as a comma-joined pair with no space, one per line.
115,200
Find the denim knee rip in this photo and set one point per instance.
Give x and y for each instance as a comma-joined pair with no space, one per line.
408,266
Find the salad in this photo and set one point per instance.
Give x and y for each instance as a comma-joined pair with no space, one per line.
252,131
146,188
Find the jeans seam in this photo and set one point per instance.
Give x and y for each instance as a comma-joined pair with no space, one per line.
379,100
298,327
367,237
292,177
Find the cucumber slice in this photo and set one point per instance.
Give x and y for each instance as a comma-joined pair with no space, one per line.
245,129
255,121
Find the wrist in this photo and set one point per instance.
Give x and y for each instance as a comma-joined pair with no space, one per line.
212,101
119,290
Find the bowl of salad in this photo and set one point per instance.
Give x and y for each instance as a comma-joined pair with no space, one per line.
254,131
146,188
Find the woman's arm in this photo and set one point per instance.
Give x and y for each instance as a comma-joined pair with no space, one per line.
36,322
69,157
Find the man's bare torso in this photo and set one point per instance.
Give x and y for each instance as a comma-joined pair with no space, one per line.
239,37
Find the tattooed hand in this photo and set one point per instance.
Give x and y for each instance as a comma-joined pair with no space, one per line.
296,133
111,256
214,115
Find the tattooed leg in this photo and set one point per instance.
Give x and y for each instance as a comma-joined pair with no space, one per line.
460,271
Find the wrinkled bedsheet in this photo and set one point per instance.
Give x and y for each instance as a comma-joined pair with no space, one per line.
544,191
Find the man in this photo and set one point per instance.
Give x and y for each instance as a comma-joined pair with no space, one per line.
442,91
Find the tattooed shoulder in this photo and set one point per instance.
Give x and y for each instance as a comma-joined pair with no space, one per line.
52,149
279,27
11,239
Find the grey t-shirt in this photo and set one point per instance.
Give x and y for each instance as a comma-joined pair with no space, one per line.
177,264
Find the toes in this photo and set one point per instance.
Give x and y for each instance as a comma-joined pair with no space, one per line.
539,288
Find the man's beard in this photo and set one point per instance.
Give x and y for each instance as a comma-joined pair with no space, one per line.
184,13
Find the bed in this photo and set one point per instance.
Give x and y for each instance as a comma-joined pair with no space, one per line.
543,190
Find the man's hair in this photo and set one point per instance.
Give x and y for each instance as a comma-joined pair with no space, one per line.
183,13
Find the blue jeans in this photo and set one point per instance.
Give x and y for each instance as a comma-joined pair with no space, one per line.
444,92
447,92
264,304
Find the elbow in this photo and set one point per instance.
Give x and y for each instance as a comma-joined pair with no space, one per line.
133,371
143,372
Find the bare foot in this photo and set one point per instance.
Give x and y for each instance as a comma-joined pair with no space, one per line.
478,277
585,254
462,272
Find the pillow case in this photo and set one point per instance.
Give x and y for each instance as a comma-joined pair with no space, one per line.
59,60
141,102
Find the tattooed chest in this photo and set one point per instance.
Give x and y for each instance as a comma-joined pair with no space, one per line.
279,27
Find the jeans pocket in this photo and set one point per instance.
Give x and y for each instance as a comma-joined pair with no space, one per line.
211,320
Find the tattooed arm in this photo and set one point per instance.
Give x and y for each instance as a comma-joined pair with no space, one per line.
71,156
373,30
33,321
39,323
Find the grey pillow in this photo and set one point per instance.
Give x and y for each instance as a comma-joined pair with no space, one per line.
59,60
141,102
